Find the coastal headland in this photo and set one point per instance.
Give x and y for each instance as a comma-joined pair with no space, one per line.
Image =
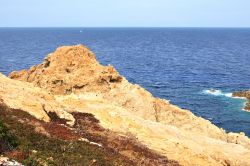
72,102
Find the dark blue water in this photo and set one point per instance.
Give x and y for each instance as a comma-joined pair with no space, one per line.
176,64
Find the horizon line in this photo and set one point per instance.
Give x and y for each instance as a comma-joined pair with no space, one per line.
118,27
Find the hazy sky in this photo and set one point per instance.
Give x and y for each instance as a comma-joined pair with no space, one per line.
125,13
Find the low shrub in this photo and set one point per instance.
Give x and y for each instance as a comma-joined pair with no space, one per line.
7,140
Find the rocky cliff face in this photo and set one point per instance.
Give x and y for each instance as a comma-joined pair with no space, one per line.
245,94
71,81
75,70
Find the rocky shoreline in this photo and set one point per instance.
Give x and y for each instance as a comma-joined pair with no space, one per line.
245,94
72,97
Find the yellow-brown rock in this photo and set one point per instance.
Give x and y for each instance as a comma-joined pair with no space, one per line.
75,82
186,147
74,69
34,100
244,94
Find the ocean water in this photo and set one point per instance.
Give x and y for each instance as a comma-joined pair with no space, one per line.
179,64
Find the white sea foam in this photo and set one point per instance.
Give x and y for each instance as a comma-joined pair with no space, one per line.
229,95
216,92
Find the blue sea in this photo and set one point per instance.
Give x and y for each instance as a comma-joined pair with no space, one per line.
179,64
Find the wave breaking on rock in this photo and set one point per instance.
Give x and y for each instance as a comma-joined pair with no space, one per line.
216,92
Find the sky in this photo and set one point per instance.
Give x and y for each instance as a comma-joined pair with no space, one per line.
124,13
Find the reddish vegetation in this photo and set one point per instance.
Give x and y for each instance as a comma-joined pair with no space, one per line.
62,132
89,127
126,149
17,154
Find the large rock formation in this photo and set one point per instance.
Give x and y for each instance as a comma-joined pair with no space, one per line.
74,69
34,100
71,80
245,94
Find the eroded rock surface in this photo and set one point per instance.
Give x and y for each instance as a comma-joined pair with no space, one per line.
72,80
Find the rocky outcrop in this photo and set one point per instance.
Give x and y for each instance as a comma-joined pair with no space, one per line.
75,70
34,100
71,80
245,94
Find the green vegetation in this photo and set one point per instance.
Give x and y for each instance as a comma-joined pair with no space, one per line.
40,143
33,148
7,140
54,151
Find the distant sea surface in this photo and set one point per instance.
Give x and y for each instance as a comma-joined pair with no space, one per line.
178,64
